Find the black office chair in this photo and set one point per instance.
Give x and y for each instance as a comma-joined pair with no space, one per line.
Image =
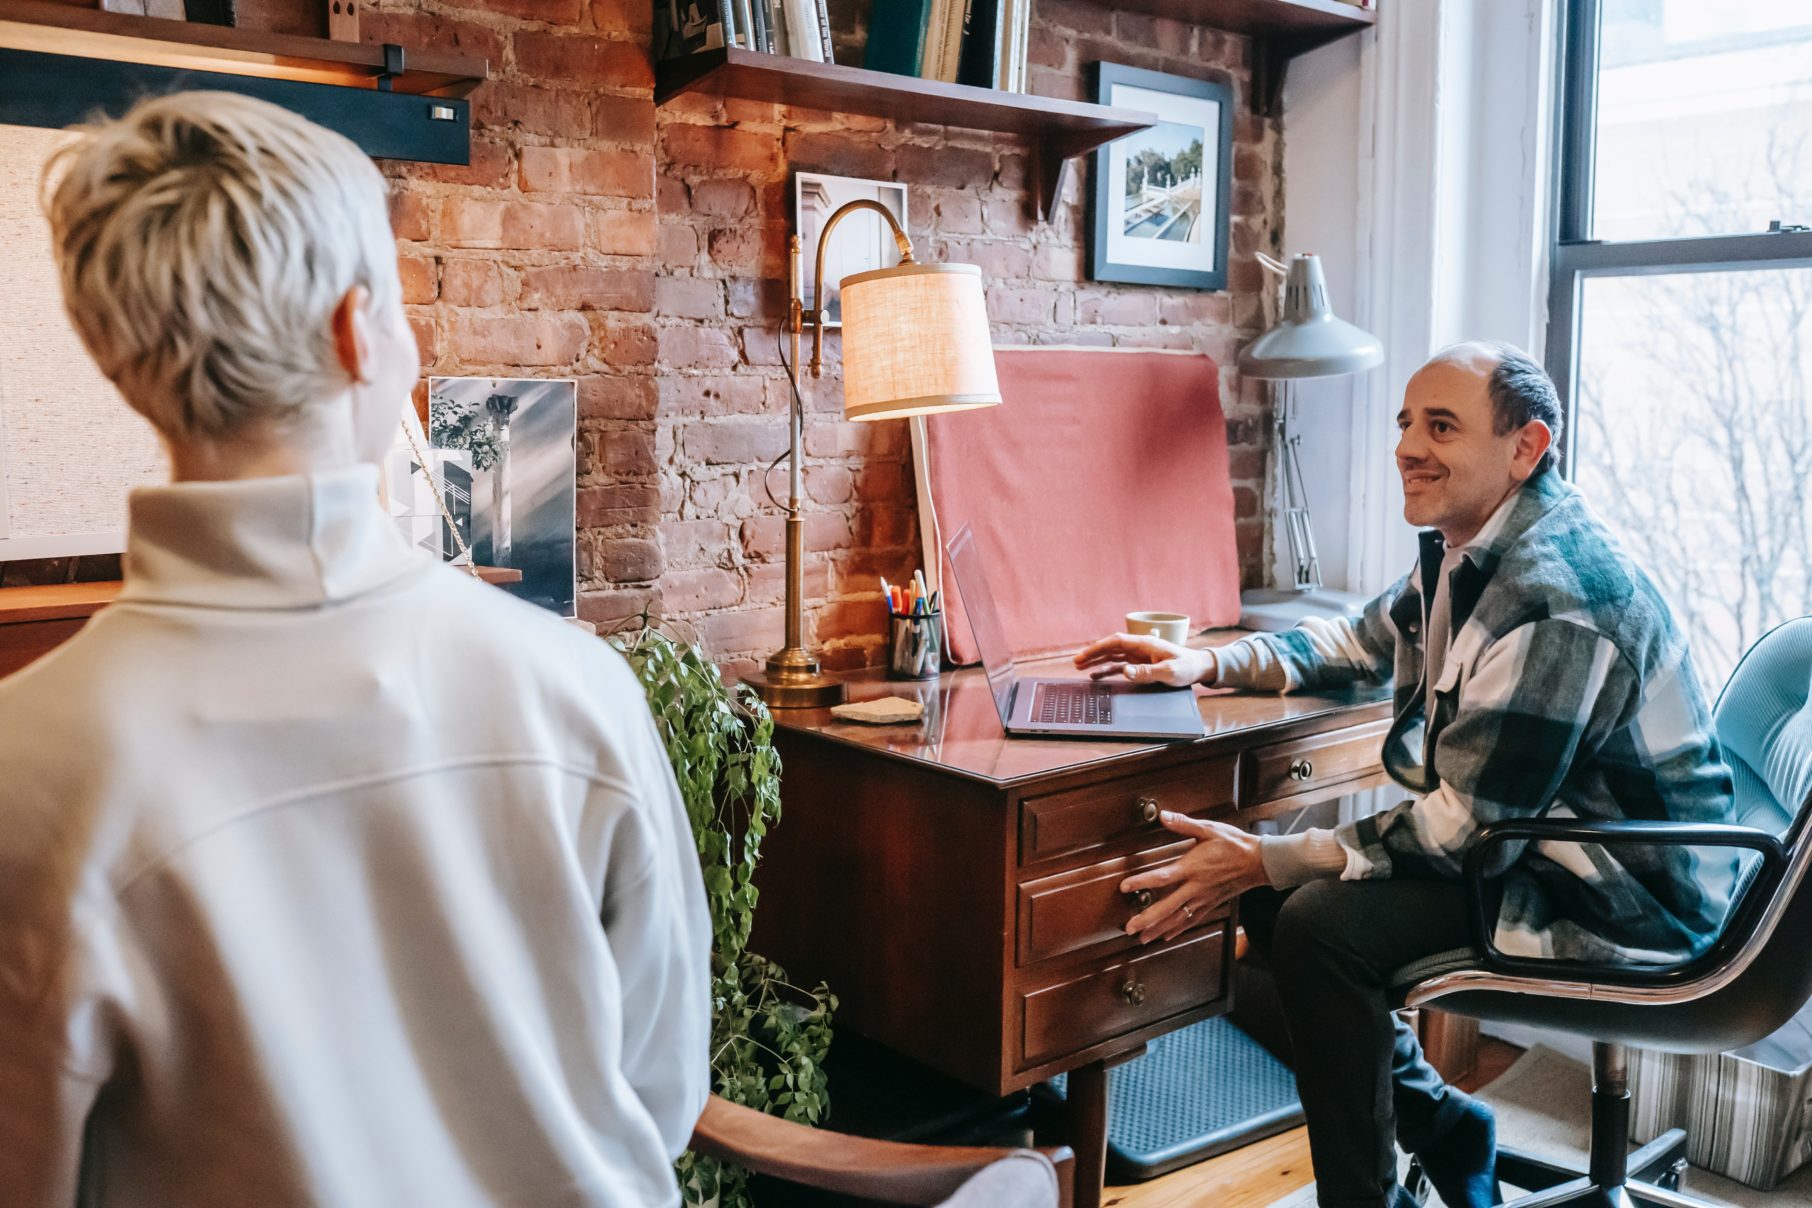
1753,979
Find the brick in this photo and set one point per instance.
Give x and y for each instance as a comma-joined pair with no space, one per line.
721,198
846,439
623,119
1049,48
553,12
677,245
695,542
489,168
1026,307
767,580
621,452
1057,262
599,173
629,560
959,215
698,590
733,442
842,155
507,105
1191,308
693,347
736,394
886,481
739,247
850,618
997,259
881,525
1165,35
830,484
720,148
1117,308
689,297
585,61
409,216
465,282
579,287
484,339
1061,85
1082,16
420,283
622,16
425,31
618,503
624,342
616,396
482,223
853,656
610,608
624,232
427,339
743,631
1249,165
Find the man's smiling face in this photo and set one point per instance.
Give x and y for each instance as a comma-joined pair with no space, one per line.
1456,467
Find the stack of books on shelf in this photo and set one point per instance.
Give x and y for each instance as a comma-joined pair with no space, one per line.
797,28
978,42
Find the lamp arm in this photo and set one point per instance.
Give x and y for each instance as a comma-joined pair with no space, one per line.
899,237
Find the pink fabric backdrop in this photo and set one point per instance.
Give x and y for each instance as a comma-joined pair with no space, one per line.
1100,488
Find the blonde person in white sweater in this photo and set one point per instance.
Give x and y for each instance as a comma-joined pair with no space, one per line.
328,875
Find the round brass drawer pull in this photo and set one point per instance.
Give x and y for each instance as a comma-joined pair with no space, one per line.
1302,769
1142,897
1148,808
1133,994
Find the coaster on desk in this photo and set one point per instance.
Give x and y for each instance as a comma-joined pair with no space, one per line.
882,711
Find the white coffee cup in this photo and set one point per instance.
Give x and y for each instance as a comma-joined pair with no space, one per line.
1171,626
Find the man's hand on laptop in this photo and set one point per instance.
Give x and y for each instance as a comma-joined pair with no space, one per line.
1143,659
1223,864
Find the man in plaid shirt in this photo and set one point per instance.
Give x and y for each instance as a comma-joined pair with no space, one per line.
1537,671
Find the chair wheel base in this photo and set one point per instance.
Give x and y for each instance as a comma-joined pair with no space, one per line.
1655,1171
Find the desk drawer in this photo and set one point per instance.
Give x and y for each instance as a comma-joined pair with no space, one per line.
1079,819
1127,995
1084,906
1291,769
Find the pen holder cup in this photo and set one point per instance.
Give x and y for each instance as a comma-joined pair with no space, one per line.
915,647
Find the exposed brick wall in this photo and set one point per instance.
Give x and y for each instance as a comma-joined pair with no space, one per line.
642,252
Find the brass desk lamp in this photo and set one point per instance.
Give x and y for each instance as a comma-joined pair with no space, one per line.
915,342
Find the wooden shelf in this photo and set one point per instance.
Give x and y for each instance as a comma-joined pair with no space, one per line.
1280,30
1057,129
56,602
62,29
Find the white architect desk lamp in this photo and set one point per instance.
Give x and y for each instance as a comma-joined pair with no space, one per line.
1307,342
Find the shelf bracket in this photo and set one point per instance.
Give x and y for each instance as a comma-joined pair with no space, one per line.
393,66
1051,175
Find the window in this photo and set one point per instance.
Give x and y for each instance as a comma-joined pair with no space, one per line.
1680,323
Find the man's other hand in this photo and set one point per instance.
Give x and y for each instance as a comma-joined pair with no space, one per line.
1143,659
1223,863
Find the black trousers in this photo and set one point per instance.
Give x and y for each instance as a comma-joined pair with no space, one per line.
1360,1072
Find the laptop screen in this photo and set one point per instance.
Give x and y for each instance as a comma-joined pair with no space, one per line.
984,620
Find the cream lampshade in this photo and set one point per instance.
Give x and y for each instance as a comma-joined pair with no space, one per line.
916,342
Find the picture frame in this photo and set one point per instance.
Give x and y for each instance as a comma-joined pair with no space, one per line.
863,241
504,465
1159,209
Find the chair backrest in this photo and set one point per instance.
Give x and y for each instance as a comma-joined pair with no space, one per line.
1026,1179
1763,720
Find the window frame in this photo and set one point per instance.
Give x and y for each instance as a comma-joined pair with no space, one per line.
1574,255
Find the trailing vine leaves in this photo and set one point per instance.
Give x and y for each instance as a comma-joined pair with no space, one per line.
768,1037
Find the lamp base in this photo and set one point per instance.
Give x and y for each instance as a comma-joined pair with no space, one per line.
792,680
1275,609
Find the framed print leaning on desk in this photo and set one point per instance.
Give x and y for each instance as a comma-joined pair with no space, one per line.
1158,212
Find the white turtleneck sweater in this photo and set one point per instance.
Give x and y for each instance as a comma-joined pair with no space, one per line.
331,877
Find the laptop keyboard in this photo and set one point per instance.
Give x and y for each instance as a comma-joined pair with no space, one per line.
1073,705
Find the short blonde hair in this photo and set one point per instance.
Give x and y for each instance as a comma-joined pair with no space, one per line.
204,240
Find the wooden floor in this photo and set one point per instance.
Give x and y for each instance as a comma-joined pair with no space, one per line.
1258,1174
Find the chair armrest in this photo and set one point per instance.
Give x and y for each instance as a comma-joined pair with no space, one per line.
1574,830
891,1171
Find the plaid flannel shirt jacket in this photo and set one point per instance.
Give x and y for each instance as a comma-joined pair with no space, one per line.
1566,691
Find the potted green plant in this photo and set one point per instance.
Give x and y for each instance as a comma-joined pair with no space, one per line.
769,1038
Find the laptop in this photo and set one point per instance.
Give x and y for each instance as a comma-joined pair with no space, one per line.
1064,708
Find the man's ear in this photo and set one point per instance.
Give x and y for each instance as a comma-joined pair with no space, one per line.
352,333
1532,441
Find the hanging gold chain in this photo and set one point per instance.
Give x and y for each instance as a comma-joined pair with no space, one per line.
440,498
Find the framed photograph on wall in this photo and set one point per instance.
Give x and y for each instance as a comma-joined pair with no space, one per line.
1159,211
862,242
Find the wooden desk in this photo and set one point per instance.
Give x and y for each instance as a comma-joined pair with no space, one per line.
959,891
